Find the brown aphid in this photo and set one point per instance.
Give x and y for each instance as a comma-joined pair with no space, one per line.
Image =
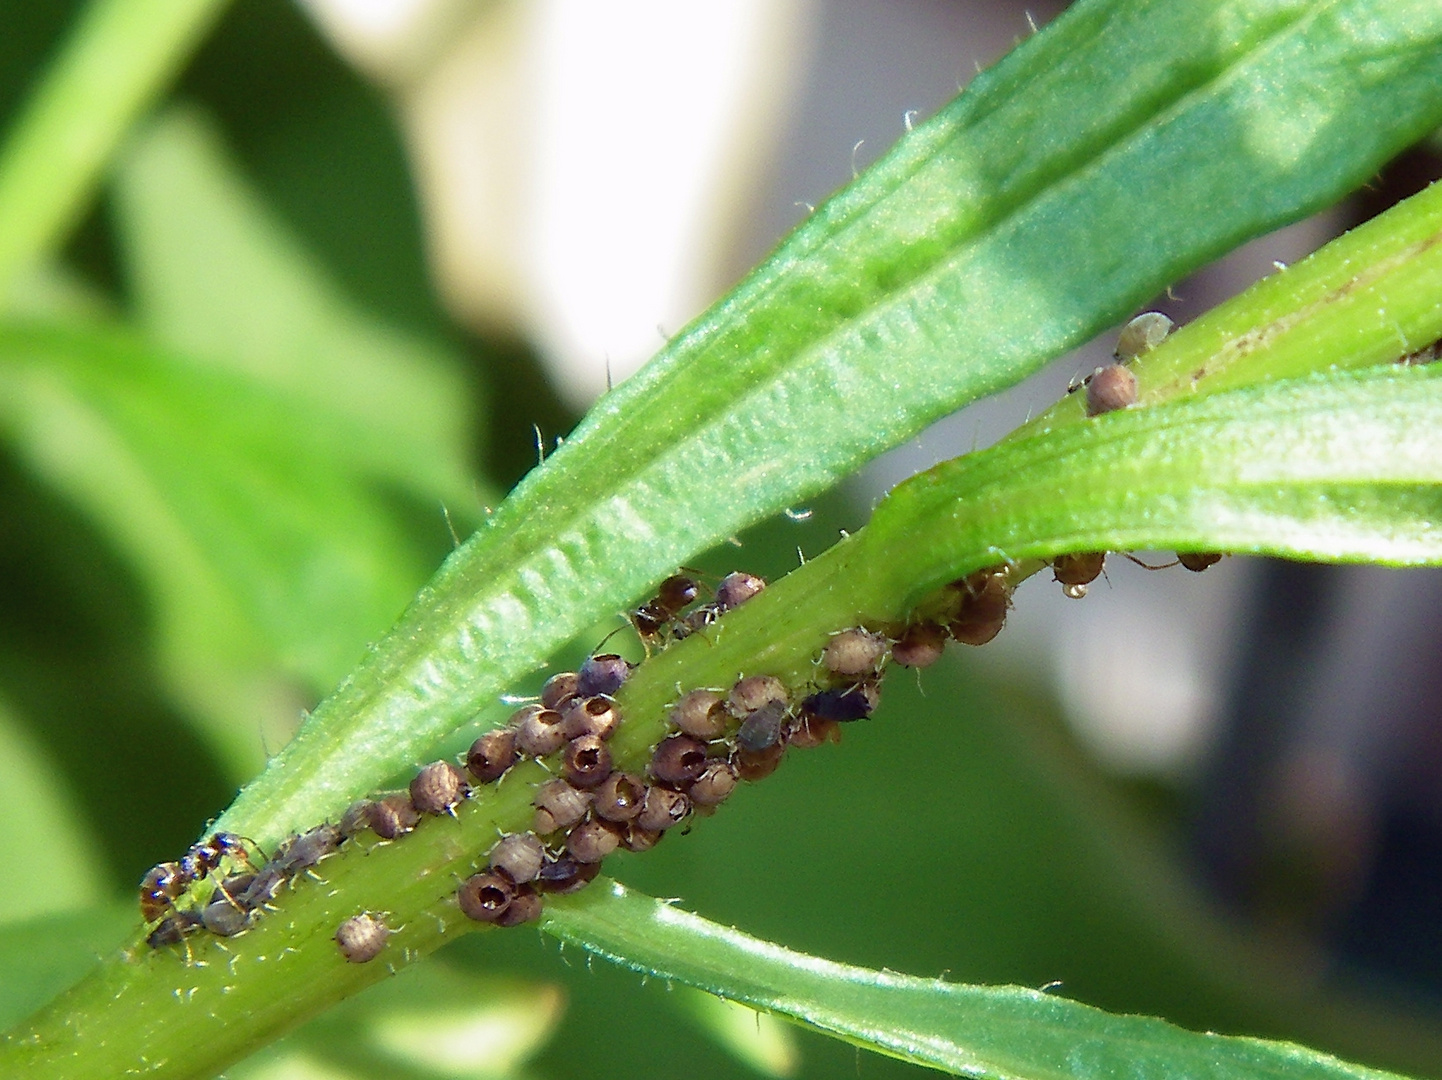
261,891
492,754
754,691
595,715
1109,389
356,819
920,645
566,875
161,886
808,732
361,938
854,652
736,588
485,897
586,761
662,809
1142,334
1197,561
173,929
714,785
762,728
701,714
753,765
393,816
524,907
538,731
438,788
619,797
678,760
224,917
519,856
639,839
602,674
302,852
559,689
559,806
982,601
1081,568
591,841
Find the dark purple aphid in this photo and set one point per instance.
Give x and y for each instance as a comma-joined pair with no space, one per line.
492,754
678,760
566,875
602,674
438,788
762,728
485,897
843,705
361,938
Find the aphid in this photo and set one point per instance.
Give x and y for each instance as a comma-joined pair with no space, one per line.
559,806
538,731
438,787
1110,388
519,856
844,704
173,929
920,645
736,588
602,674
356,819
675,594
492,754
1197,561
224,917
982,601
559,688
525,906
1081,568
753,765
854,652
639,839
393,816
485,897
1142,334
619,797
662,809
754,691
762,728
566,875
161,886
361,938
678,760
701,715
595,715
808,731
300,853
586,761
591,841
261,891
714,785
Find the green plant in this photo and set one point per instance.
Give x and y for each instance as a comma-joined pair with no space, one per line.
1060,191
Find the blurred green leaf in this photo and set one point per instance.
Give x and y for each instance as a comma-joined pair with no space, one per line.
993,1032
43,955
753,1038
1059,190
48,857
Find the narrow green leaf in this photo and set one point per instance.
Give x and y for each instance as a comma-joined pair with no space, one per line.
997,1032
1060,190
120,54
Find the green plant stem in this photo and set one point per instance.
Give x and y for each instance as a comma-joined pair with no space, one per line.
120,54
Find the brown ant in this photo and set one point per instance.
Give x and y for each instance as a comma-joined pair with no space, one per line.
663,610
